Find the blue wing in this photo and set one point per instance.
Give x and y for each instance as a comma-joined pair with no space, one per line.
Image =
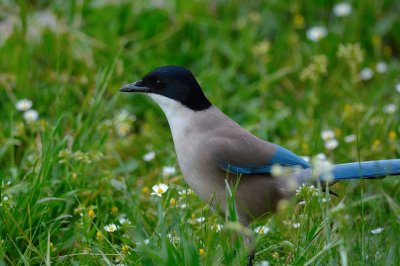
281,157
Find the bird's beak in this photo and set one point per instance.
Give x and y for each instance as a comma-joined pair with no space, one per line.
134,87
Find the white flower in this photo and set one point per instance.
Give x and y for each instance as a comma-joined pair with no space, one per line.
123,129
262,263
342,9
261,230
302,202
185,192
173,238
31,115
316,33
168,171
322,169
320,157
381,67
146,241
159,189
349,138
389,108
331,144
123,115
306,158
377,230
5,198
216,227
277,170
366,73
296,225
123,220
327,134
23,105
398,87
110,228
200,219
149,156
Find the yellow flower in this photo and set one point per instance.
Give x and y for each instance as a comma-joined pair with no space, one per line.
376,40
145,190
387,50
298,21
376,144
392,135
74,176
91,214
338,132
99,235
202,252
172,202
114,210
125,249
305,147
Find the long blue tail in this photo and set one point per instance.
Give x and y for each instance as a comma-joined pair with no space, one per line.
366,170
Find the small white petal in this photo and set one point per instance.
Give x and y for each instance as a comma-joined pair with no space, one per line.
31,115
316,33
331,144
350,138
381,67
321,157
263,263
342,9
23,105
296,225
123,220
159,189
377,230
261,230
366,74
200,219
216,227
110,228
389,108
149,156
306,158
327,134
277,170
398,87
168,171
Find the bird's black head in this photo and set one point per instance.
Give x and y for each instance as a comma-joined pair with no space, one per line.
174,82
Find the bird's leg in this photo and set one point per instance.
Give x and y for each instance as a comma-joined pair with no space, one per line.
251,257
252,253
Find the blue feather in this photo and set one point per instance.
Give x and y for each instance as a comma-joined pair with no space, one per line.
366,170
281,157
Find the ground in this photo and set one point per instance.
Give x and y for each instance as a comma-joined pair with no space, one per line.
78,159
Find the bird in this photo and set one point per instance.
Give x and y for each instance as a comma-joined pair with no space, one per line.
213,150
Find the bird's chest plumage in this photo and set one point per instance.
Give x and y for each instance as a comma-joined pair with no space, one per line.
196,165
190,141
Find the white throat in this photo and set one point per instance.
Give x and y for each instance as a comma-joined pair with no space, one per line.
178,115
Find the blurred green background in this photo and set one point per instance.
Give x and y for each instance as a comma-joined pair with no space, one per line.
84,156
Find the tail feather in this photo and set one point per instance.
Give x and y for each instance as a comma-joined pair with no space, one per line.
366,170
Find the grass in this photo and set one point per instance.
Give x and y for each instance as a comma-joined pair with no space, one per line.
80,166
